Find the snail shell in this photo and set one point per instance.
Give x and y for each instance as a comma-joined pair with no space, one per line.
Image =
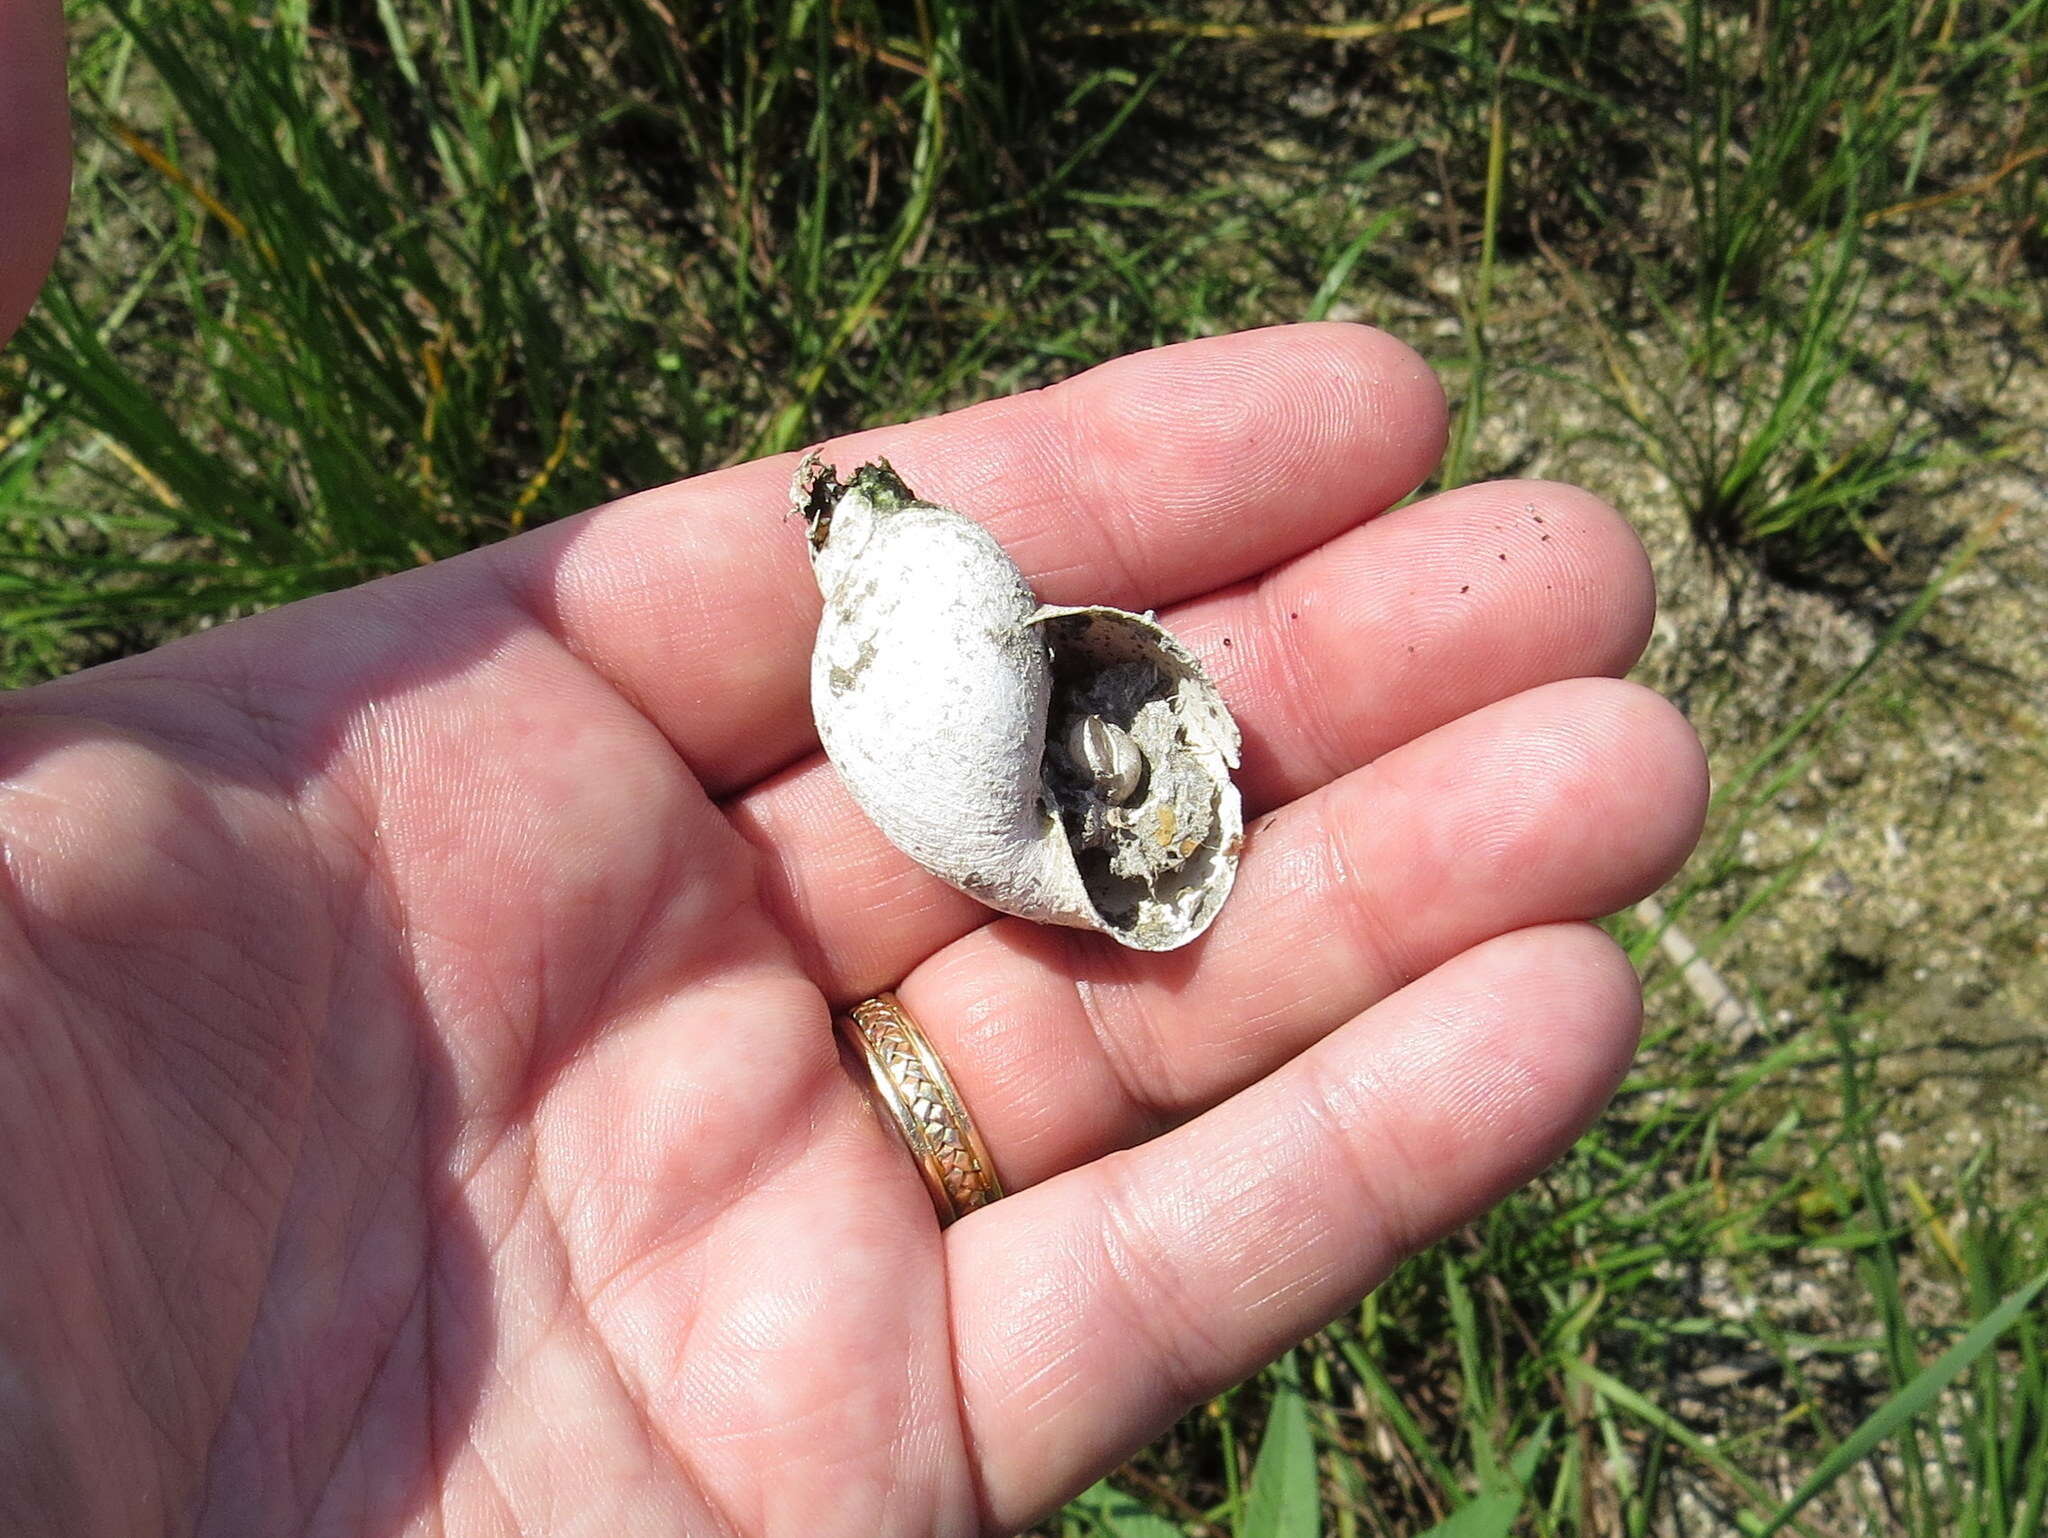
1070,765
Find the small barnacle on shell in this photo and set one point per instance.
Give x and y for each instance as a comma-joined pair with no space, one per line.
1070,765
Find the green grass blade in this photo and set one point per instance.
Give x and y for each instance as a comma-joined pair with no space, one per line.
1340,270
1625,1398
1115,1513
1283,1501
1492,1512
1894,1415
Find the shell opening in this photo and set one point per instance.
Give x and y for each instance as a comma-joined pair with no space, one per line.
1148,836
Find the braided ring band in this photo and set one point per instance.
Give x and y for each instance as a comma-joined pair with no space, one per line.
914,1088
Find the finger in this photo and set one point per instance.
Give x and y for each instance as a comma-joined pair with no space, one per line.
1391,630
35,173
1091,1310
1567,802
1329,660
1140,482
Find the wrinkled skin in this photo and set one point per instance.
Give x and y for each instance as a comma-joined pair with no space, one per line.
418,1106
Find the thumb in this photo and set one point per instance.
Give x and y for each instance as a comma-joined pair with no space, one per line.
35,151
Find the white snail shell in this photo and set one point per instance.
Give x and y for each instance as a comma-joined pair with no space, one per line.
1070,765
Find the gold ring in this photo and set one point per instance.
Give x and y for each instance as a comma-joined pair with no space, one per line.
918,1094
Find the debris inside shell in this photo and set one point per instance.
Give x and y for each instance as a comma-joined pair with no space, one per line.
1070,765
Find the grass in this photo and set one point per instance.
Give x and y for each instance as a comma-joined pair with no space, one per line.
354,288
388,288
1842,104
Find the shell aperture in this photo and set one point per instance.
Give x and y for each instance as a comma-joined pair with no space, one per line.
1069,765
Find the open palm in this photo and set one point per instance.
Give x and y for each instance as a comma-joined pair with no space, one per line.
418,1099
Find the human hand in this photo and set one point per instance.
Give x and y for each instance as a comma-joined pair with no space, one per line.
417,1084
418,1106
